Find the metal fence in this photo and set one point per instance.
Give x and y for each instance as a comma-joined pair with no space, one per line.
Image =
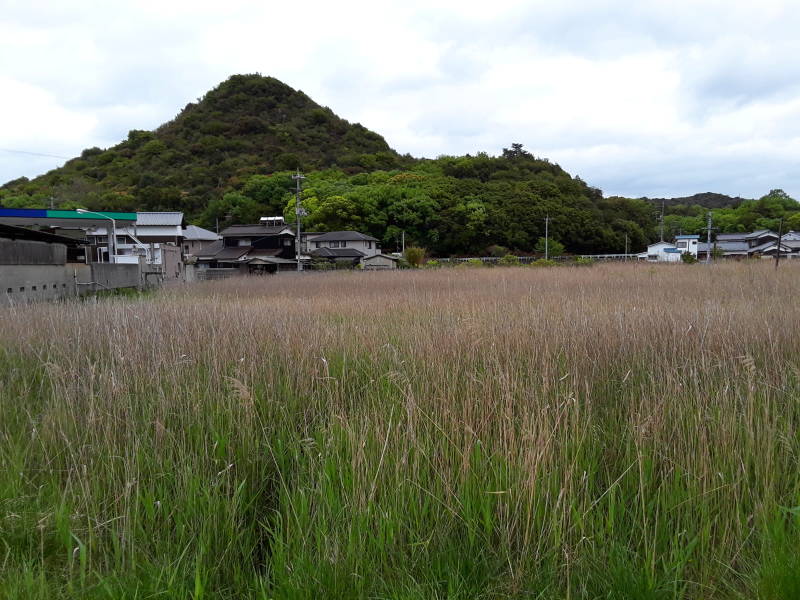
493,260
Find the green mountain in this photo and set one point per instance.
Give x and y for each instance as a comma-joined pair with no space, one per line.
229,159
249,124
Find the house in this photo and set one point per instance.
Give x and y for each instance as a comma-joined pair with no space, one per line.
753,244
687,244
348,247
196,239
251,249
661,252
365,244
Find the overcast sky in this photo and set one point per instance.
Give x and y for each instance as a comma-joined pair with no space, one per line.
639,98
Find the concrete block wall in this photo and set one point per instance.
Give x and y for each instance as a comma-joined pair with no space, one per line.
20,284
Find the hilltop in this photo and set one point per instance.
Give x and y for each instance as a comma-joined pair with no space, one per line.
705,199
248,124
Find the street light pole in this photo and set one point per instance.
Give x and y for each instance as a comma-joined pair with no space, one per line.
298,211
112,238
546,235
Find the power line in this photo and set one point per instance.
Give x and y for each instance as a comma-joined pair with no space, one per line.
34,153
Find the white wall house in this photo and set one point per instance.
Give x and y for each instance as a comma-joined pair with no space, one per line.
661,252
687,244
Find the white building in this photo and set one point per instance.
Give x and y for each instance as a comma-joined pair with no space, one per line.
661,252
145,237
687,244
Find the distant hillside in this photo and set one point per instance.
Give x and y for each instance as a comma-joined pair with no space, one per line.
249,124
706,200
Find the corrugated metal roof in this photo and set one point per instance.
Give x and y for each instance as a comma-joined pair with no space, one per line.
193,233
159,218
344,236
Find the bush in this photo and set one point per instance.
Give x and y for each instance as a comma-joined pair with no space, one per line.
497,251
473,262
414,255
688,259
509,260
544,262
584,261
554,248
432,264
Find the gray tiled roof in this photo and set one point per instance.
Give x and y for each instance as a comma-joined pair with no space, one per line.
337,253
211,250
344,236
193,233
254,230
232,253
723,246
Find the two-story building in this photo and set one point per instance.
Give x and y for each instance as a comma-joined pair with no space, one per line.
349,247
251,249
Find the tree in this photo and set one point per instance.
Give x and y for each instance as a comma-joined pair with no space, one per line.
554,248
414,256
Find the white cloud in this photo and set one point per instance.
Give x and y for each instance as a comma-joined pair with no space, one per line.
646,98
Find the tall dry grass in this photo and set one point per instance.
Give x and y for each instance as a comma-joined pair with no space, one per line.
623,431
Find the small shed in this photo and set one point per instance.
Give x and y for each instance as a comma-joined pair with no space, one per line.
379,262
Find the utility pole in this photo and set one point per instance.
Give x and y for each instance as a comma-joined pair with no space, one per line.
778,250
626,246
403,242
662,220
546,236
708,240
298,212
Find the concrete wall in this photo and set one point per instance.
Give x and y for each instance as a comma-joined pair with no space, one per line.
20,284
27,252
111,276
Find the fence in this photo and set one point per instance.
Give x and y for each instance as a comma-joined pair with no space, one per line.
529,259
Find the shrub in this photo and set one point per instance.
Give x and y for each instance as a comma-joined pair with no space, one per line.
544,262
497,251
509,260
584,261
688,259
432,264
554,248
473,262
414,255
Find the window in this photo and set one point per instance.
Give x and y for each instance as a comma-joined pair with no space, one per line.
33,287
316,244
681,244
10,291
287,242
22,289
186,247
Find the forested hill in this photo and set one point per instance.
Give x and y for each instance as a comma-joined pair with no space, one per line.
229,159
706,200
248,124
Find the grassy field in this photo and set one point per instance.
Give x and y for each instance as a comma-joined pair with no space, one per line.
620,431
